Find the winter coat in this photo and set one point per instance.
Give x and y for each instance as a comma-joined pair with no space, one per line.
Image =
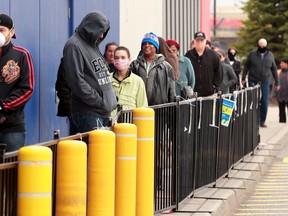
159,79
208,71
130,91
16,87
259,69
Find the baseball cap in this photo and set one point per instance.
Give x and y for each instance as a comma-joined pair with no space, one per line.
199,34
6,21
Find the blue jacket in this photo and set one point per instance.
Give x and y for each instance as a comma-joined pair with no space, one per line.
187,76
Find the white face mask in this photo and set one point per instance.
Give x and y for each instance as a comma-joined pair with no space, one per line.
2,39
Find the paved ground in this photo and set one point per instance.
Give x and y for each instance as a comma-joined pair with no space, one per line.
254,178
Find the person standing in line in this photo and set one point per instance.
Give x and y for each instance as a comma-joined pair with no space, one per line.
187,76
259,66
109,55
156,73
229,76
232,52
207,66
16,86
192,44
86,73
282,94
129,88
169,56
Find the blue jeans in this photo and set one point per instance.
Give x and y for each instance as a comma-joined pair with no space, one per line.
264,101
86,122
13,140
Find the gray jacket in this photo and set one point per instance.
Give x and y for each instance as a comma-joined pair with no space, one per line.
259,69
159,80
86,72
229,78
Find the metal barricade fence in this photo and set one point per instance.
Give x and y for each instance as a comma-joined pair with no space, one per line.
192,148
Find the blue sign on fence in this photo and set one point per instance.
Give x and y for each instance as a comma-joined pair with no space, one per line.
227,109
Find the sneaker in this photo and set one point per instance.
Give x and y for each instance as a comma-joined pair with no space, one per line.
263,125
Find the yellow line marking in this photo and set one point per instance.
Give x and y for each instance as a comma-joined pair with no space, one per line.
282,196
267,200
273,183
285,160
273,189
261,204
266,213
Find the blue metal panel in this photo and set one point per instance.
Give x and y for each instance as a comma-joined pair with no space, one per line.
109,8
54,32
26,22
43,29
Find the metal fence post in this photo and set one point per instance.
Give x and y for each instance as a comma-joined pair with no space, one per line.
2,152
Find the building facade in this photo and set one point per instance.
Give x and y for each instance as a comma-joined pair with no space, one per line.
44,26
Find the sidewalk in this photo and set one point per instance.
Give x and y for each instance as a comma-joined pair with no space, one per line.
229,192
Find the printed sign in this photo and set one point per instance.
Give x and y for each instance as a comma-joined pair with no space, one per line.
227,110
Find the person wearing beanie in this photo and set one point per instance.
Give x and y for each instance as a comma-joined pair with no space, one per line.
229,76
187,76
16,86
152,39
155,71
207,66
260,65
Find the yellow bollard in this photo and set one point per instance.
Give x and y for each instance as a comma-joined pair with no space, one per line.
125,173
71,178
101,173
34,181
143,118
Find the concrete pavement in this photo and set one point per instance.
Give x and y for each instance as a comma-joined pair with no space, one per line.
231,191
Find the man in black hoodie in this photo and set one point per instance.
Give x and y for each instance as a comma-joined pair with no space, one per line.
87,74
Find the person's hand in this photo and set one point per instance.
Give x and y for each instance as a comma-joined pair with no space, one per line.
2,119
277,88
243,83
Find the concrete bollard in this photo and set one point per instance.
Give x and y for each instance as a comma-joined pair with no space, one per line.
101,173
125,173
34,196
143,118
71,178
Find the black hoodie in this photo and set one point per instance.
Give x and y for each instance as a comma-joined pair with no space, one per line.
86,72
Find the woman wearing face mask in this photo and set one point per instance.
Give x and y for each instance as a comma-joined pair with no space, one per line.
129,88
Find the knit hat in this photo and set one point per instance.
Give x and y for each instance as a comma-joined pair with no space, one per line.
215,44
285,60
151,38
6,21
173,42
221,52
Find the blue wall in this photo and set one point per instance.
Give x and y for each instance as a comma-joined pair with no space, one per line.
43,28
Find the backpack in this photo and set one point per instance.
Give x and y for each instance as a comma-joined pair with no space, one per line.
63,92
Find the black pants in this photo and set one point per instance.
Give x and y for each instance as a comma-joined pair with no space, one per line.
282,113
